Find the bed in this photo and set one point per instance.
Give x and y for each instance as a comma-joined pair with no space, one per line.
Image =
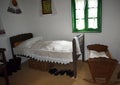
58,51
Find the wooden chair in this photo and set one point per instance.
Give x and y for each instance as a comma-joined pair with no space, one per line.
101,68
3,65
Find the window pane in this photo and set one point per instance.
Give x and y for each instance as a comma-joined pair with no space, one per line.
92,3
80,24
79,14
92,12
80,8
80,4
92,23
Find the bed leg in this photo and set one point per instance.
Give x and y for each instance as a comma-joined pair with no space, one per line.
75,67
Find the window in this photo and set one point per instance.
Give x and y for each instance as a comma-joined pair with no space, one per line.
86,15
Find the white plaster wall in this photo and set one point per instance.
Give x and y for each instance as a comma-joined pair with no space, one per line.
13,24
59,24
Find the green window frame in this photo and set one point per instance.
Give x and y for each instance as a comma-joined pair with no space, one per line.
86,16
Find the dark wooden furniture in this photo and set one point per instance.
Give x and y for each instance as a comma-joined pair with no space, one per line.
118,76
99,48
22,37
3,65
101,68
17,39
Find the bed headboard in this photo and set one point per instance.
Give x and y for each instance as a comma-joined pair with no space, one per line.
17,39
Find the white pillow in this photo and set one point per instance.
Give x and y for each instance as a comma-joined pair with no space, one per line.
28,43
95,54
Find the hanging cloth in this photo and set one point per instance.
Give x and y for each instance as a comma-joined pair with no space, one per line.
13,7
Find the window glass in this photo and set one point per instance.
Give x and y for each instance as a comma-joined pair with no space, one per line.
80,24
92,12
86,15
92,23
92,3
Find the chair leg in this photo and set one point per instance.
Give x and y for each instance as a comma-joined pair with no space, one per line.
6,77
75,68
118,76
93,79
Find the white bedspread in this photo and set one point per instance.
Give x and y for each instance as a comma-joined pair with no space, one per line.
52,51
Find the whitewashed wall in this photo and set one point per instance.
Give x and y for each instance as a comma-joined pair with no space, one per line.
59,24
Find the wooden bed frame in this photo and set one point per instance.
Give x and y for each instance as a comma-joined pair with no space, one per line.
25,36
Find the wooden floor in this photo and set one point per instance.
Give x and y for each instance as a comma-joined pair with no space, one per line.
28,76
